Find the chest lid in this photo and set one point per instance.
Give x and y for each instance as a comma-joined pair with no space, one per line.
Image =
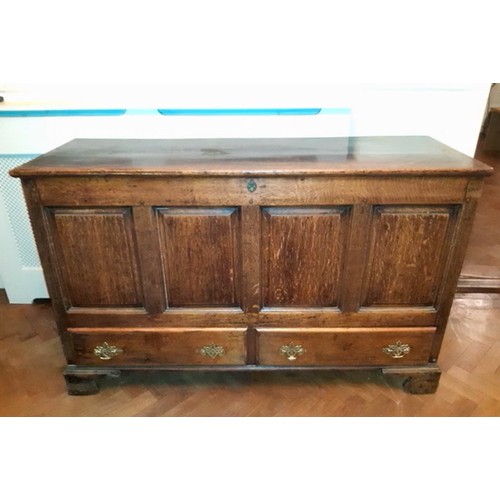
402,155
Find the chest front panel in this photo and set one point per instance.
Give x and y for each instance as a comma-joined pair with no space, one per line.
252,254
252,262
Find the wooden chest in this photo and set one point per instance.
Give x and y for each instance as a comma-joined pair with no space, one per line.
251,254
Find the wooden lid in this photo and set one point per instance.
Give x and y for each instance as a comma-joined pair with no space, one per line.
253,157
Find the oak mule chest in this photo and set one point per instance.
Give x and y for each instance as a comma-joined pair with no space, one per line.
252,254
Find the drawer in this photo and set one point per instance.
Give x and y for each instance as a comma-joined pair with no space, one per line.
344,346
168,346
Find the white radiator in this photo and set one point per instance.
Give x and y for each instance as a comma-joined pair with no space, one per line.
19,263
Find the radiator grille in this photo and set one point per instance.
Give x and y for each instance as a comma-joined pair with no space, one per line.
18,219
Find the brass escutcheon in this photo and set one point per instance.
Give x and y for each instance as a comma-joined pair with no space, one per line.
251,186
397,350
106,351
212,351
291,351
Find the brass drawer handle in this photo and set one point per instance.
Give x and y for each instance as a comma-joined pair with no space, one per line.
106,351
212,351
291,351
397,350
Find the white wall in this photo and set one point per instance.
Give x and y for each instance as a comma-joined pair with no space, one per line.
451,113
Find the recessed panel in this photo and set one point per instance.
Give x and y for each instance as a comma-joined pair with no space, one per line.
201,256
302,255
407,255
96,256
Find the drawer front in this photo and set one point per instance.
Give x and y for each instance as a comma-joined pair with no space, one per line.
344,346
169,346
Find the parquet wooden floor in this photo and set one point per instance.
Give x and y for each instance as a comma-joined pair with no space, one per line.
31,382
483,253
31,364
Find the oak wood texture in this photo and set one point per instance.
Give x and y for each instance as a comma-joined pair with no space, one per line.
407,248
304,156
343,347
352,282
249,245
302,255
174,346
200,250
417,381
232,191
250,259
97,256
149,258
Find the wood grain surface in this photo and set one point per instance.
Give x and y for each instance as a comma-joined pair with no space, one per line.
97,256
301,156
174,346
250,245
302,255
349,347
405,260
200,249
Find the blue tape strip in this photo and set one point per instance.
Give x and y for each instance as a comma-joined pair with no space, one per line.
42,113
12,155
239,111
140,111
